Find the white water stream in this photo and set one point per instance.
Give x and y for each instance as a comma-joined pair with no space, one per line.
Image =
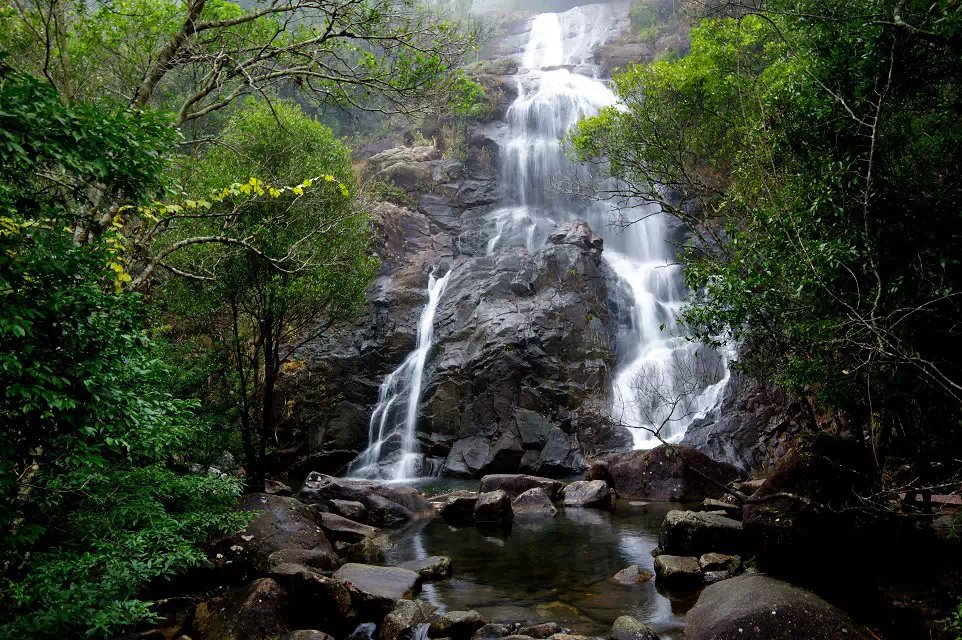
393,426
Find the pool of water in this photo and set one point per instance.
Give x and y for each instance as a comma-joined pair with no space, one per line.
553,569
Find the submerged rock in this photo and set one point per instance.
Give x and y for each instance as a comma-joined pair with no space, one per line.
514,484
674,474
433,568
629,628
596,494
698,532
631,576
757,606
493,507
678,571
534,503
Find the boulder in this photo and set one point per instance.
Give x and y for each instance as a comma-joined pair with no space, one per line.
400,623
534,503
276,488
258,611
758,607
494,630
458,508
369,550
340,529
541,631
678,571
306,634
432,568
493,507
583,493
515,484
282,523
315,599
379,586
388,505
729,509
698,532
669,473
631,577
599,471
720,562
457,625
350,509
629,628
311,558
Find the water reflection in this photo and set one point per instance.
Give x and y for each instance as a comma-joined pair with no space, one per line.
550,569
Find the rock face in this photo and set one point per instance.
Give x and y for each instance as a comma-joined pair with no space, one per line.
754,428
534,503
758,607
283,523
493,507
516,484
698,532
668,473
583,493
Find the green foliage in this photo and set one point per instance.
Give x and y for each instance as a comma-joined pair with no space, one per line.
91,509
814,147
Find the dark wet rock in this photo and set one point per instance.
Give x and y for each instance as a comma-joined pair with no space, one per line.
432,568
276,488
534,503
315,599
403,618
258,611
281,523
677,571
541,631
458,508
720,562
515,484
350,509
388,505
340,529
307,634
370,550
629,628
757,606
674,473
698,532
321,560
599,471
731,510
493,507
754,427
493,630
458,625
380,587
595,494
613,56
808,499
631,576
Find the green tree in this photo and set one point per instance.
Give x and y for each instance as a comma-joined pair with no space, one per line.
304,265
93,505
812,147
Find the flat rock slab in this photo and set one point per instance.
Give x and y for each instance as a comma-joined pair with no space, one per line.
757,607
380,583
339,528
514,484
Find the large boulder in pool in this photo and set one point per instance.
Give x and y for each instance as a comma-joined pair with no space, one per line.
583,493
514,484
693,533
534,503
493,507
378,587
387,505
669,473
629,628
757,607
282,523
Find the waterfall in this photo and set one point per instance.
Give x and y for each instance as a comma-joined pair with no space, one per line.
392,450
663,382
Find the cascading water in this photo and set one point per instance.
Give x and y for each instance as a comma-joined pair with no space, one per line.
392,451
663,381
